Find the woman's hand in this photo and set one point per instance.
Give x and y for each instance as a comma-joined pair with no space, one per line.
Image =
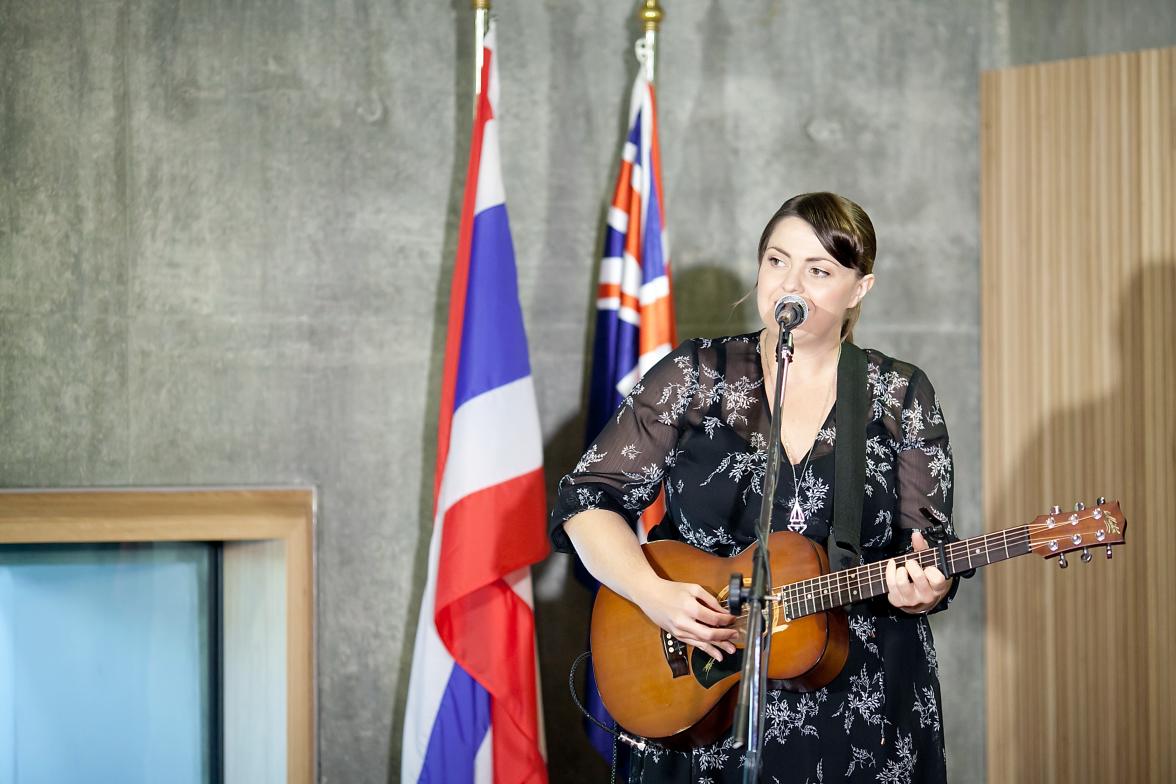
690,613
910,587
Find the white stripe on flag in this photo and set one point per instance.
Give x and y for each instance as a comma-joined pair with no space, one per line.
491,42
490,190
484,759
618,219
431,668
637,183
494,437
610,269
631,277
630,379
520,582
652,357
655,289
629,151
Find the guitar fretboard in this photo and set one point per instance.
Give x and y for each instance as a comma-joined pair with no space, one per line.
837,589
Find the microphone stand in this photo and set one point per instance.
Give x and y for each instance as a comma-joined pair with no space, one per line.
748,731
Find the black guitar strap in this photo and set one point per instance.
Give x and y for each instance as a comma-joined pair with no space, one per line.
849,454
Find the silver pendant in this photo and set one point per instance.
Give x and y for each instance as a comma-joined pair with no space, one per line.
796,522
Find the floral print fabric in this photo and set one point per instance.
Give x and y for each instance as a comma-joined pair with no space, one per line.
698,425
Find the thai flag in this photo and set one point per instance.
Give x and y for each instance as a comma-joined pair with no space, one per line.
634,307
473,710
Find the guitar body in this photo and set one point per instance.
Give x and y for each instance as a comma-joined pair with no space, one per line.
661,689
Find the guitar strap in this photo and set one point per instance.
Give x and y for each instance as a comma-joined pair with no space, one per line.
849,454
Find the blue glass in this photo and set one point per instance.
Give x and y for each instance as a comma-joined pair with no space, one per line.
108,664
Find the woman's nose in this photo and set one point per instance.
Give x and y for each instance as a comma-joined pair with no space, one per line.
792,283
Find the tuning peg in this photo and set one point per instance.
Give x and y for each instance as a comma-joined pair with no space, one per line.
1102,499
1086,556
1055,510
1062,561
1079,506
1109,553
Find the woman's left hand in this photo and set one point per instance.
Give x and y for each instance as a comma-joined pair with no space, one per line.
910,587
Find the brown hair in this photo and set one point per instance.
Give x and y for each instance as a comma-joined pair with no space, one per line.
845,232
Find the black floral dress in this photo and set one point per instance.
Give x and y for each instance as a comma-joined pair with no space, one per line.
698,424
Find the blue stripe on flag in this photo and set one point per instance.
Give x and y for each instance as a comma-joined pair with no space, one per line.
635,135
462,721
614,243
614,355
493,343
653,259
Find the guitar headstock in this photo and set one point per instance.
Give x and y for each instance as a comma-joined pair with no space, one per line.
1057,533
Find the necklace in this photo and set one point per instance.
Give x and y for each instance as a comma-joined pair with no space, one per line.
796,519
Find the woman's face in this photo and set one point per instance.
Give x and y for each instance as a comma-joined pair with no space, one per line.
795,262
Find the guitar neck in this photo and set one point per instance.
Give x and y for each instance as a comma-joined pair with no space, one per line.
837,589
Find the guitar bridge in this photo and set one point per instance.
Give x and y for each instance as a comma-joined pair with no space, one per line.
675,652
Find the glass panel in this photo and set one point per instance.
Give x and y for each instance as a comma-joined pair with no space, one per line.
108,662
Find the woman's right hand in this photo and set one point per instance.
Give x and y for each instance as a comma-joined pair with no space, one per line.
690,613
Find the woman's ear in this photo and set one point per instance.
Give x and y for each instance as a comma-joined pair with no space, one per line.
864,284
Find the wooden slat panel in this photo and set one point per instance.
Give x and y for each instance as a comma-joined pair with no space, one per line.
1078,202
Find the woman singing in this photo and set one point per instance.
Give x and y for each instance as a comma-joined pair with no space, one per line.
697,425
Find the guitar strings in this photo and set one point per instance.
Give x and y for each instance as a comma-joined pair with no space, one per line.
801,592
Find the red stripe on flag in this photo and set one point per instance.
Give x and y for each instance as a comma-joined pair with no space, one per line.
656,329
633,235
623,192
657,318
491,533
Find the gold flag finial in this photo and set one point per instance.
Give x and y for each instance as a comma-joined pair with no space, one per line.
650,15
480,5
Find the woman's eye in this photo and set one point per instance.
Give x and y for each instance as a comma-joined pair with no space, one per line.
775,261
820,273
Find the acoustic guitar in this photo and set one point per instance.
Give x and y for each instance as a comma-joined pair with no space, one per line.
657,687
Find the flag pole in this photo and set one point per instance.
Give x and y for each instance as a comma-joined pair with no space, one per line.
650,15
481,19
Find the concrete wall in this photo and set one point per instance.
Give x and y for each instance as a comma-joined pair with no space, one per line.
226,231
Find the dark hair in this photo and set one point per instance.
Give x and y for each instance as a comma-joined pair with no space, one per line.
843,228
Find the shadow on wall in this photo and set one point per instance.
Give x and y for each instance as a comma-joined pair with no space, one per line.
705,300
1101,447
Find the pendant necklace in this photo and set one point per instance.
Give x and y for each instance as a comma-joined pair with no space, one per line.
796,522
796,519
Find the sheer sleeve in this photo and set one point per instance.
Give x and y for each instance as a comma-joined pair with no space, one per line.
925,473
623,469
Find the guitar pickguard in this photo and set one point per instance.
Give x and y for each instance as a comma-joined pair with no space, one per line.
709,671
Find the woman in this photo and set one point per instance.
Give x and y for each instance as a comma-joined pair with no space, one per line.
698,424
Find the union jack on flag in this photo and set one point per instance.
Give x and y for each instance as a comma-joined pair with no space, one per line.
473,714
634,306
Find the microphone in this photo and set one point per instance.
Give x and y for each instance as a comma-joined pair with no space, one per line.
791,311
